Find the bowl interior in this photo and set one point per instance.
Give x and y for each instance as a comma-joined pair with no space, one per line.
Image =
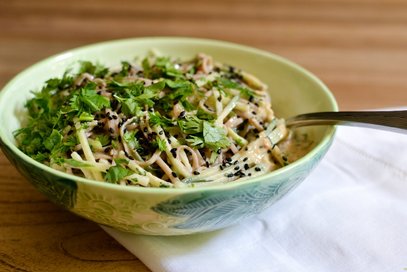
293,89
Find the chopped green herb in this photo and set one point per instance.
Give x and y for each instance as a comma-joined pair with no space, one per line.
191,125
214,137
117,173
108,124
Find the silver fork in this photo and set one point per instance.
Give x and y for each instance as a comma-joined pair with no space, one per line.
395,121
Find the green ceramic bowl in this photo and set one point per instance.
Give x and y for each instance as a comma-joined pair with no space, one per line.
163,211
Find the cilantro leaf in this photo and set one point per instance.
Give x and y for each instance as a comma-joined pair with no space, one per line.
146,68
120,161
214,137
161,144
104,139
59,83
97,70
195,141
152,90
117,173
126,66
94,101
130,138
157,120
54,139
126,89
130,106
190,125
181,89
167,67
205,115
225,83
85,116
87,100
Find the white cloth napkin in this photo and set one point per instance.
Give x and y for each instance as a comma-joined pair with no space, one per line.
350,214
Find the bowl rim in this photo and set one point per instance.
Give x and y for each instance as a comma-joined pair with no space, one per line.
326,140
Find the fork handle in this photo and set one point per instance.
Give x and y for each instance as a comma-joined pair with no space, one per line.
388,120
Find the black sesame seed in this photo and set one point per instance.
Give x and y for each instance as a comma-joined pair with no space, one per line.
182,114
269,151
251,98
245,159
254,113
219,151
246,166
174,174
237,168
207,164
258,169
174,152
235,162
219,98
229,175
240,174
221,167
145,130
228,159
114,104
249,174
161,132
169,141
196,172
109,117
284,158
114,117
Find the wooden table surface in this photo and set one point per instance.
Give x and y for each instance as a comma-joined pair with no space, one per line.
357,47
